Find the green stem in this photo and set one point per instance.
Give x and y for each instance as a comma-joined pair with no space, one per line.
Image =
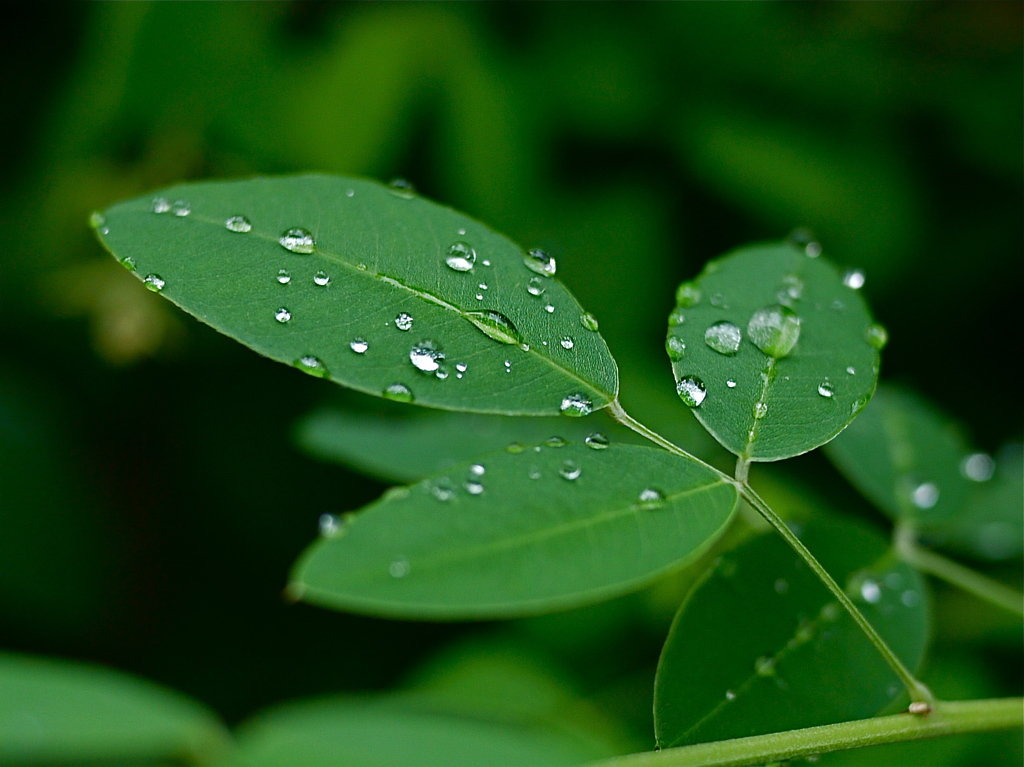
948,718
620,415
956,574
919,693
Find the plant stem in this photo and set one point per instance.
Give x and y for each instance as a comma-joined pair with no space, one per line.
948,718
956,574
919,693
620,415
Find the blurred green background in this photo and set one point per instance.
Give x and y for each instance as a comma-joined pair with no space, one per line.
151,496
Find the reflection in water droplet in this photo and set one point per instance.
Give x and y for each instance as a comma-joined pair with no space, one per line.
550,309
589,321
297,240
870,591
329,525
399,187
764,666
925,495
426,356
854,279
540,262
678,317
535,287
128,263
473,487
687,295
312,365
154,282
760,410
238,224
723,337
321,278
675,347
691,390
495,326
181,208
403,321
282,315
566,342
597,441
461,257
877,336
555,442
398,392
570,470
399,568
160,205
359,345
576,405
731,384
651,499
978,467
825,389
774,330
283,276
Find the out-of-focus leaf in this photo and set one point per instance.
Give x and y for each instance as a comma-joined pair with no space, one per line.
552,527
771,351
785,654
362,292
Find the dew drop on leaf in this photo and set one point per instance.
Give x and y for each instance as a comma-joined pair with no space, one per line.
477,470
774,330
515,448
399,187
678,317
403,321
555,442
329,525
495,326
566,342
877,336
473,487
978,467
851,370
691,390
160,205
426,356
312,365
723,337
730,695
925,495
284,276
321,278
359,345
540,262
576,405
399,568
675,347
597,441
398,392
731,384
825,389
760,410
181,208
154,282
97,220
687,295
297,240
589,321
128,263
282,315
570,470
461,257
854,279
549,308
651,499
535,287
764,666
870,591
238,224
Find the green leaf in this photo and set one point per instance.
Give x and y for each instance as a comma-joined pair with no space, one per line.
785,654
763,301
58,711
549,528
367,733
349,280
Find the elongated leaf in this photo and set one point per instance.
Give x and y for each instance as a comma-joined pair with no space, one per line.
57,711
364,295
545,529
785,654
763,301
410,445
364,733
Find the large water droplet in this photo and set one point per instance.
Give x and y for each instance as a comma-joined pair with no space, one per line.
496,326
576,406
154,282
978,467
282,315
181,208
298,240
540,262
675,347
567,342
426,356
877,336
359,345
597,441
461,257
687,295
925,495
650,499
284,276
403,321
238,224
691,390
399,187
321,278
854,279
825,389
398,392
570,470
774,330
160,205
589,321
399,568
723,337
535,287
870,591
312,365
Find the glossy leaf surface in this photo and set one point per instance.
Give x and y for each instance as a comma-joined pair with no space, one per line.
749,305
545,529
350,280
785,655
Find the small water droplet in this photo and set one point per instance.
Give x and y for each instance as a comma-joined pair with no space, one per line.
535,287
781,586
482,286
555,442
851,370
566,342
597,441
825,389
859,404
479,296
350,192
462,232
312,365
398,493
473,487
495,326
154,282
650,499
774,330
128,263
925,495
675,347
730,695
403,321
398,392
297,240
359,345
321,278
854,279
97,220
515,448
764,666
731,384
978,467
687,295
910,598
461,257
181,208
877,336
570,470
284,276
760,410
238,224
329,525
441,373
399,187
477,470
461,367
508,366
678,317
691,390
813,249
485,262
589,321
399,568
576,405
160,205
718,299
870,591
282,315
723,337
540,262
534,473
549,308
426,356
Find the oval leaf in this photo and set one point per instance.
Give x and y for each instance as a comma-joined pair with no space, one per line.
786,655
771,350
58,711
372,287
545,529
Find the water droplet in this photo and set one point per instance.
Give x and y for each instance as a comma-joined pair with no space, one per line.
925,495
462,232
859,404
597,441
978,467
760,410
508,366
555,442
854,279
576,405
792,288
534,473
477,470
441,373
731,384
730,695
160,205
473,487
589,321
398,493
329,525
154,282
651,499
282,315
399,187
398,392
97,220
877,336
495,326
535,287
825,389
813,249
321,278
399,568
461,257
181,208
910,598
426,356
461,367
678,317
781,586
128,263
570,470
485,262
403,321
851,370
540,262
482,286
870,591
515,448
350,192
238,224
691,390
723,337
479,296
687,295
774,330
718,299
359,345
764,666
549,308
297,240
312,365
283,276
566,342
675,347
